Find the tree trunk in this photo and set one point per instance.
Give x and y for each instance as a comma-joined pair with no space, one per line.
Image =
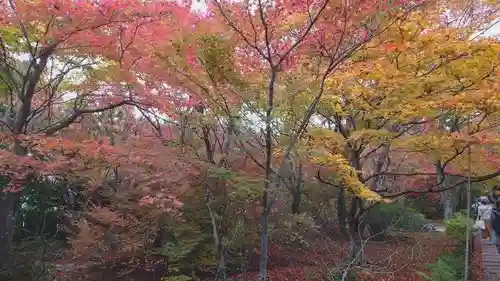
8,209
264,245
459,198
217,235
448,195
221,269
355,252
7,223
341,211
356,249
8,206
447,201
296,199
160,270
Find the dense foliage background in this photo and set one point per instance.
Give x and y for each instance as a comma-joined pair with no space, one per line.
235,140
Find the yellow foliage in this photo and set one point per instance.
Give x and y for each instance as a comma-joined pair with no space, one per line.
326,148
369,136
418,69
325,138
347,174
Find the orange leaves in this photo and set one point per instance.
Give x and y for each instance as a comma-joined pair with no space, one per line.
393,47
163,201
61,144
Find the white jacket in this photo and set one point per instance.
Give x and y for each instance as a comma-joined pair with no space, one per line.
484,212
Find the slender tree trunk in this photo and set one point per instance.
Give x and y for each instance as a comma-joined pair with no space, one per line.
355,253
341,211
381,158
218,245
211,184
295,176
270,183
221,268
9,208
448,195
7,217
264,245
296,199
217,232
8,202
161,239
448,209
7,222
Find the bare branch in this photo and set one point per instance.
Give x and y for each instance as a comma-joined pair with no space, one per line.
50,130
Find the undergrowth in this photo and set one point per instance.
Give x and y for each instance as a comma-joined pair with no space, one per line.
450,265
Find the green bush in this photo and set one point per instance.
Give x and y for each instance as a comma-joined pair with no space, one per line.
177,278
450,266
458,226
447,268
394,215
31,260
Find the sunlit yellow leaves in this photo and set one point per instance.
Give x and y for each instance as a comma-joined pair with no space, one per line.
346,174
108,72
321,137
411,87
10,35
326,148
490,2
403,79
216,57
435,142
369,136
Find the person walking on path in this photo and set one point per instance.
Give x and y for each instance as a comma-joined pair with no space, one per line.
475,207
495,216
484,216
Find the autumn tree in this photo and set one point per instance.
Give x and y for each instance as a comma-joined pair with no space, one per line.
404,105
237,104
47,47
268,43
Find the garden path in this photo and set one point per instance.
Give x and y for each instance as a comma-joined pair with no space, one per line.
491,261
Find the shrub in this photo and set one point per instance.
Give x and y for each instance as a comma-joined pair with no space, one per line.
450,266
188,251
31,260
394,215
177,278
447,268
458,226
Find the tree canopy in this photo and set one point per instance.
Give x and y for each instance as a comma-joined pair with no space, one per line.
157,130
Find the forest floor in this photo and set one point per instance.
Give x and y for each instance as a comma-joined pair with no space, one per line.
394,259
398,259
